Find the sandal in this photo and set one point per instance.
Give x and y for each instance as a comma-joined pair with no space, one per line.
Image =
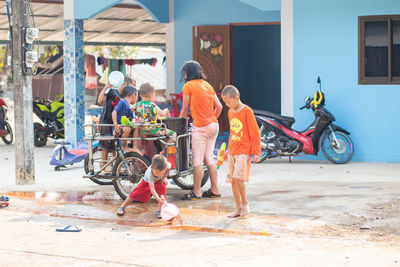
158,214
190,196
4,198
120,211
69,228
210,193
3,204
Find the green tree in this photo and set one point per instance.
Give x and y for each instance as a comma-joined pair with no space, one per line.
111,51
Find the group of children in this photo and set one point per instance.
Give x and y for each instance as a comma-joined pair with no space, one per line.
144,114
244,144
142,118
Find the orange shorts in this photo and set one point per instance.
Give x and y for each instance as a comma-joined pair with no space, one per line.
238,167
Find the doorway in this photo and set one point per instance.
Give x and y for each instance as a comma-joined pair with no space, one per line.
256,68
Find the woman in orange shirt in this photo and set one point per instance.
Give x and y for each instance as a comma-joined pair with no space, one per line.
205,108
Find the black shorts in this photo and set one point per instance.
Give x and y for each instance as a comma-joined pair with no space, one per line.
107,144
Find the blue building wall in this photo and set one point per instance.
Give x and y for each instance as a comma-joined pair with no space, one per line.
326,44
189,13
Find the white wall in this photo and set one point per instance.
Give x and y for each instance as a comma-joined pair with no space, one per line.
287,57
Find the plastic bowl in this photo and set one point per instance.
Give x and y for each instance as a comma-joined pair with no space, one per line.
116,78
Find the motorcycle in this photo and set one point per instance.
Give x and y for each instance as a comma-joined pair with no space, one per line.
278,138
6,132
51,113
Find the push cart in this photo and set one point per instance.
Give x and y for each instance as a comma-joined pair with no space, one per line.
128,168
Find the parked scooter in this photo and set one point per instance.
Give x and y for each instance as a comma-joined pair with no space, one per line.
279,139
6,132
51,113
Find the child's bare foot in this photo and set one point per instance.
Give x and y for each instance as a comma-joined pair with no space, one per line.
235,214
135,150
245,210
139,151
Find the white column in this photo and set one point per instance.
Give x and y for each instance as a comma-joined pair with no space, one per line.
170,50
287,57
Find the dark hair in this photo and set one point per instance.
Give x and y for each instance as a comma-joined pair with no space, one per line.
159,162
230,91
193,71
128,79
128,90
146,89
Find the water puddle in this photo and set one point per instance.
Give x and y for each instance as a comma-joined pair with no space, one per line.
208,215
216,230
64,197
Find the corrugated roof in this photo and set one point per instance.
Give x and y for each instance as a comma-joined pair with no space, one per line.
121,24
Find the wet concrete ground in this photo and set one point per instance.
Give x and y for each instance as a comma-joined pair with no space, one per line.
313,190
348,205
352,204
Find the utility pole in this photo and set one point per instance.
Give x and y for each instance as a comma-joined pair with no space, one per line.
23,125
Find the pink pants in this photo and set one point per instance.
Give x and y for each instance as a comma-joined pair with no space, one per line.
203,142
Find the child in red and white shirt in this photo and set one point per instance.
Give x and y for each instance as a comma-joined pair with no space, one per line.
154,183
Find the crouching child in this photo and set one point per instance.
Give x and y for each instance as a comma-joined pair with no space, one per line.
154,183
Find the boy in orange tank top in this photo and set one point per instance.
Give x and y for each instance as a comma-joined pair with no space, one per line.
244,142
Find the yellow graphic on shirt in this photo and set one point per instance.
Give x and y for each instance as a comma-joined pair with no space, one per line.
236,127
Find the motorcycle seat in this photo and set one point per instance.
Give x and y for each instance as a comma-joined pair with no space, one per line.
288,121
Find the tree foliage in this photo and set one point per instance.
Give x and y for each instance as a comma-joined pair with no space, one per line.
49,51
111,51
3,49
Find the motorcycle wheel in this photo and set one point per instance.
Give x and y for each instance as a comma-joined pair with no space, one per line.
96,167
39,135
186,182
8,137
125,183
337,153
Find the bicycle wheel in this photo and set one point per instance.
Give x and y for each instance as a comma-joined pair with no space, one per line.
186,182
340,152
125,183
97,160
8,137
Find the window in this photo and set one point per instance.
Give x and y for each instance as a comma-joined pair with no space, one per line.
379,49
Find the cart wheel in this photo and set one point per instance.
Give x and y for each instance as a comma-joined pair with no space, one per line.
186,182
96,167
125,183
